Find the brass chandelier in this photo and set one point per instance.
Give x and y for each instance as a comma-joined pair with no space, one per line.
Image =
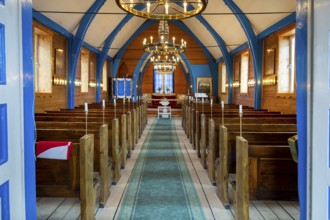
164,64
164,46
163,9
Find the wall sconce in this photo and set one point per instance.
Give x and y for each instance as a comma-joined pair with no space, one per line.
251,83
227,85
236,84
92,84
101,85
270,80
59,80
77,82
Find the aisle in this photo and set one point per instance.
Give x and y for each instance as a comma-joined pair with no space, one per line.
160,186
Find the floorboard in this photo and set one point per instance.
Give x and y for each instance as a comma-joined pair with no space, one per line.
63,209
278,210
291,209
46,206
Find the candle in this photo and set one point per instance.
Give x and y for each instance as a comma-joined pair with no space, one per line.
211,101
202,100
222,104
86,107
103,103
240,109
114,102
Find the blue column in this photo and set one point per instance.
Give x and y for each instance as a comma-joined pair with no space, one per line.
301,81
255,48
74,47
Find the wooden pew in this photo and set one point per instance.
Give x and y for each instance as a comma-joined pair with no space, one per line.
62,131
67,121
79,113
71,178
275,141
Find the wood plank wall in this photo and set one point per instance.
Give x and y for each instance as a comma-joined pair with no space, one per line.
135,50
58,98
271,100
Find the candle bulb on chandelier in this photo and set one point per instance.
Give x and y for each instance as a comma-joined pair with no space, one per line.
148,7
173,40
151,39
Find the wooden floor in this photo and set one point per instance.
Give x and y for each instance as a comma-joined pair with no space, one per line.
69,208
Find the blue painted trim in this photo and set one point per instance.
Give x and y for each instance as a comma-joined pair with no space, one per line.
42,19
290,19
226,56
75,46
107,45
5,205
28,111
184,27
3,134
302,111
90,47
137,72
255,48
220,60
239,49
2,55
190,72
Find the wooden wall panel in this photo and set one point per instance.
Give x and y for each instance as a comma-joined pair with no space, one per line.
135,50
271,100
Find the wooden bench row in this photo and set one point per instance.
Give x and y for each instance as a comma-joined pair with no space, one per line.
270,171
69,126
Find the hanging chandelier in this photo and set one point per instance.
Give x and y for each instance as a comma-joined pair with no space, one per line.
163,9
163,45
164,64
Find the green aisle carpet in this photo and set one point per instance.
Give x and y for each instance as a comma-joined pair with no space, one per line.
160,186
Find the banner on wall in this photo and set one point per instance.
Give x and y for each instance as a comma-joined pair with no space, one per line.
121,88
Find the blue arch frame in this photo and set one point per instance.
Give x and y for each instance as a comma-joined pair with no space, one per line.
74,47
226,55
255,48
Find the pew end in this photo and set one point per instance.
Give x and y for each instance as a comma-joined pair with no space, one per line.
293,143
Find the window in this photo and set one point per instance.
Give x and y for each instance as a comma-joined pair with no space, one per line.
286,65
84,71
244,72
163,81
105,77
223,78
42,61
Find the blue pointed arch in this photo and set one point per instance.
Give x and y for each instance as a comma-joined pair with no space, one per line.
74,47
104,53
255,48
184,27
226,55
122,50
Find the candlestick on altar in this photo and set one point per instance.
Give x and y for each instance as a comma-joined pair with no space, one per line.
240,119
86,114
222,111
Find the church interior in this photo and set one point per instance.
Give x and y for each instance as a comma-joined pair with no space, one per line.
165,109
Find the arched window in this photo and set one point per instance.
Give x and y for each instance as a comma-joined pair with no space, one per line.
163,83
